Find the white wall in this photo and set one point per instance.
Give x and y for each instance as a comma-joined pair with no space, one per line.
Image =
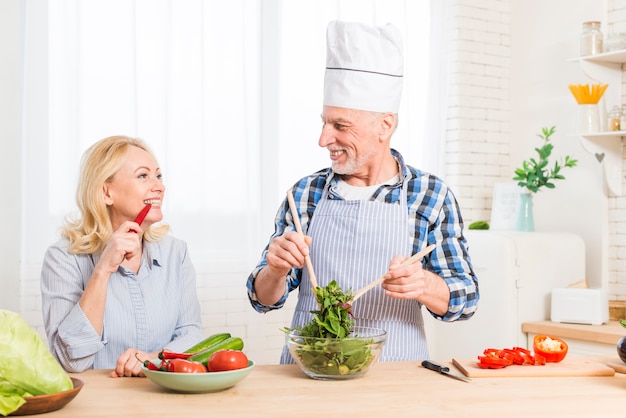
540,72
507,77
10,154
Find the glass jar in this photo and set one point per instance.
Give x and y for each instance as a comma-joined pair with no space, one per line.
615,41
622,119
614,119
591,39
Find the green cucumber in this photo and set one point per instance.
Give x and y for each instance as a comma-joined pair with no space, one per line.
208,342
231,343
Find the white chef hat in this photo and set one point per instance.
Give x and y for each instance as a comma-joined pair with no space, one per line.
364,66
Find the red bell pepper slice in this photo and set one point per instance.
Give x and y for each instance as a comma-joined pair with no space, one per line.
514,355
490,366
526,355
494,358
491,360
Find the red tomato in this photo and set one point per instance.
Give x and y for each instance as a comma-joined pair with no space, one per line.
179,365
553,349
224,360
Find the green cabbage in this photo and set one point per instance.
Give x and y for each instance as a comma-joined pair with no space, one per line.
27,368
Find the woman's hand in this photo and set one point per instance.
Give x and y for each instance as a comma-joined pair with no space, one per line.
129,363
124,244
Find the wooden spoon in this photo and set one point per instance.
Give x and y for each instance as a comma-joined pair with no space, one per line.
414,258
296,221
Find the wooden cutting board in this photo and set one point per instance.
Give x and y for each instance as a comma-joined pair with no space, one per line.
570,366
618,365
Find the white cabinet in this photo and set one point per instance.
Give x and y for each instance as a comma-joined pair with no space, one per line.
606,147
516,273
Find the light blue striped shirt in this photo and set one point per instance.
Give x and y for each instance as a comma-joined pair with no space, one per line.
154,309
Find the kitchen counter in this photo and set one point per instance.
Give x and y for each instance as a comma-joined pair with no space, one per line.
389,389
608,333
586,340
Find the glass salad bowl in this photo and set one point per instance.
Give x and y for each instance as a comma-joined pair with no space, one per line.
337,358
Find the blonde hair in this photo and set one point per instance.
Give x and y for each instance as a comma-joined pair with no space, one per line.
90,233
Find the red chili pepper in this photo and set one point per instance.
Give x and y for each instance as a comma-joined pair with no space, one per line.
167,355
142,215
151,366
148,364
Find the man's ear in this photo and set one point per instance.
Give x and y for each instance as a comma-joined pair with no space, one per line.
387,126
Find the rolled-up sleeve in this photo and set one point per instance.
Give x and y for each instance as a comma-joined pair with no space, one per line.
282,222
71,337
452,262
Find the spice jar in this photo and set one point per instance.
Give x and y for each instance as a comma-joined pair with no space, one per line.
622,119
591,39
614,119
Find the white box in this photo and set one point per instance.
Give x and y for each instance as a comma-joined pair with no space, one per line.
580,306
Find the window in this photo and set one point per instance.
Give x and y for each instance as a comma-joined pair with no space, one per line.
227,93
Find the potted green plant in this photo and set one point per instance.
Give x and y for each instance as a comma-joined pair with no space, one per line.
538,173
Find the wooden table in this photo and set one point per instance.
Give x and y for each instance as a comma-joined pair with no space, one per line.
388,390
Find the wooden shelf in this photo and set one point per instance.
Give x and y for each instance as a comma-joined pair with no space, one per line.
608,333
606,147
612,56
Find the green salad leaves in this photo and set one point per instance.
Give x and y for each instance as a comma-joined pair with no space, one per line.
27,368
325,347
333,318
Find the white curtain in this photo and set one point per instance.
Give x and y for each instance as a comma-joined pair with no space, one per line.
227,93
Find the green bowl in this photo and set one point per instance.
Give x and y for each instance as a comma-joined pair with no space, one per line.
197,382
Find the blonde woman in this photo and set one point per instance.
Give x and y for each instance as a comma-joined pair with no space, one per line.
115,292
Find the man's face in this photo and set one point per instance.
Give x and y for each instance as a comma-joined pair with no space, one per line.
352,138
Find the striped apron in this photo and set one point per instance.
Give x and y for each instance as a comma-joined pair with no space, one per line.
353,243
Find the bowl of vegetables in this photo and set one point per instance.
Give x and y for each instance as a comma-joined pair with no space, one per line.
214,364
327,358
197,382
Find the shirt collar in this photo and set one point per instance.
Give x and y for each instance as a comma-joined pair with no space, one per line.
333,178
152,254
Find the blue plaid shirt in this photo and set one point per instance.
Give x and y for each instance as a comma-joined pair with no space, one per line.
434,216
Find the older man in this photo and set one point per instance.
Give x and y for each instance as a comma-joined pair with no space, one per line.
369,211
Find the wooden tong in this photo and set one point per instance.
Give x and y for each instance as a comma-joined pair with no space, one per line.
296,221
414,258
